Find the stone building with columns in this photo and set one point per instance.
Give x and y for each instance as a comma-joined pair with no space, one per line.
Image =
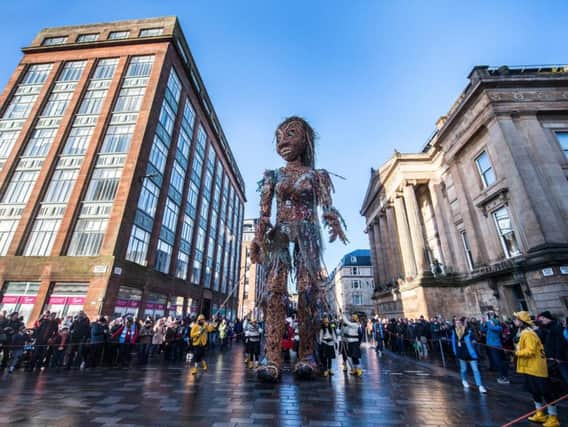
478,220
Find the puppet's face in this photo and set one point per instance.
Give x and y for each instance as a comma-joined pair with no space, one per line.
291,141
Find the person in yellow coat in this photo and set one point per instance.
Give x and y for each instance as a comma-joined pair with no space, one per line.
531,363
199,332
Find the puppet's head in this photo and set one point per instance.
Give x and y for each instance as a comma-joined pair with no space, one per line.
295,139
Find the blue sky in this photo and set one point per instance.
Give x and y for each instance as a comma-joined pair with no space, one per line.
370,76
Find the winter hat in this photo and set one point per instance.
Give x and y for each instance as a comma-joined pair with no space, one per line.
524,316
546,314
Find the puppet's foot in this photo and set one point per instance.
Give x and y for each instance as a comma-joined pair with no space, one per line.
306,369
269,373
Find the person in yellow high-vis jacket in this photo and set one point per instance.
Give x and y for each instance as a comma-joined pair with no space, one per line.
531,363
198,334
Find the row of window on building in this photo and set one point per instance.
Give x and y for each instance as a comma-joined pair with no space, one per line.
226,209
93,37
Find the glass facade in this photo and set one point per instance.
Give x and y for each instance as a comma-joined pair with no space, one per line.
154,182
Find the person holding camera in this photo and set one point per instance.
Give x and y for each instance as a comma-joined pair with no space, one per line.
497,357
145,337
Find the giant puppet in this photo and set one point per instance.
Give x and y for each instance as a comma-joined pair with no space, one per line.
293,245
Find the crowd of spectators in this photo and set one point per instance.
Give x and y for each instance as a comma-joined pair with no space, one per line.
77,342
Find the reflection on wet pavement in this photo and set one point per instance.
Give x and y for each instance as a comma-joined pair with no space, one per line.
393,391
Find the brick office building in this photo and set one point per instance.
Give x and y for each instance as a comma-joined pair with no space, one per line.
118,190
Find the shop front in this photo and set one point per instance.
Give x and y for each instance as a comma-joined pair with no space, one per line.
67,299
127,302
155,306
20,297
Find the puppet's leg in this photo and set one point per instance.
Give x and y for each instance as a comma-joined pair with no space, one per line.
275,321
308,321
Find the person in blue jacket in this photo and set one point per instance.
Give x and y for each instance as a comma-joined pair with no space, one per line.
497,358
463,345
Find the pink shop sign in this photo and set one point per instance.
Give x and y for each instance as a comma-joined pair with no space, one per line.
160,306
10,299
150,306
76,300
27,300
57,300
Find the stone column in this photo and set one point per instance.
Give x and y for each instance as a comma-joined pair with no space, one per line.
441,222
415,225
379,248
407,254
374,254
395,259
385,242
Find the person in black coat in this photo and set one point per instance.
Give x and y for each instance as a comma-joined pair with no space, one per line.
79,333
555,346
46,329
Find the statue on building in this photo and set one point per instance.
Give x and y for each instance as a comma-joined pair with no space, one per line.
293,245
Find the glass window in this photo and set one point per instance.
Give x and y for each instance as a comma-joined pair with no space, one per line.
117,35
192,195
92,102
71,71
158,154
181,265
88,237
22,297
357,299
53,41
105,69
467,249
7,141
188,115
140,66
42,237
174,85
196,272
562,138
56,104
148,197
78,140
84,38
151,32
61,186
485,169
138,245
171,213
20,187
187,228
103,185
36,74
201,141
163,256
167,118
117,139
129,100
506,232
39,143
7,229
184,142
196,170
177,178
20,106
355,284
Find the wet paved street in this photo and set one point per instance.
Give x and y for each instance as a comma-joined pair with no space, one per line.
393,392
